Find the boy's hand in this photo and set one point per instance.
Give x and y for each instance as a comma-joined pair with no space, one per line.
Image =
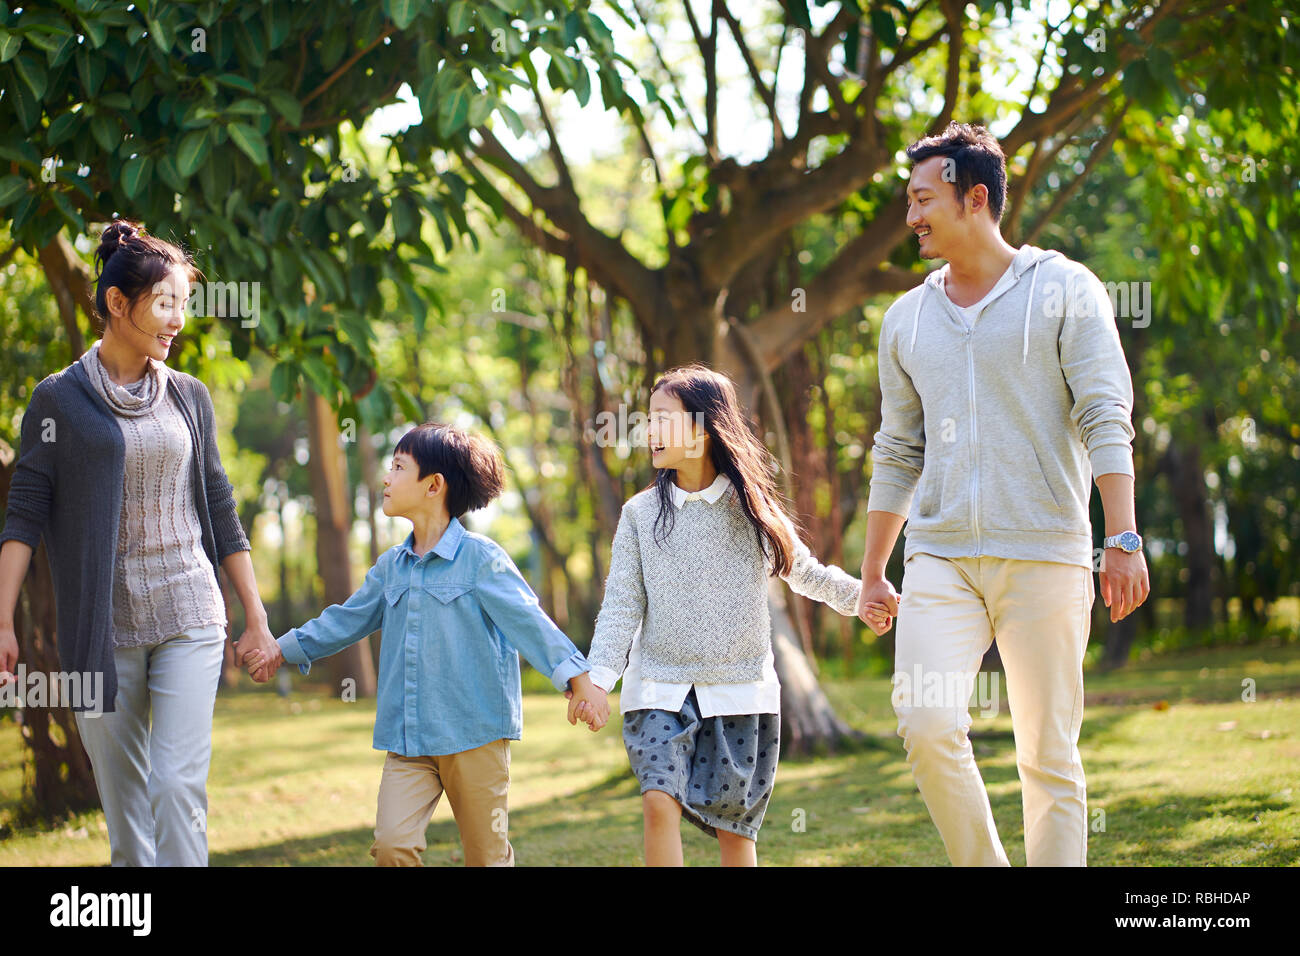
260,668
587,703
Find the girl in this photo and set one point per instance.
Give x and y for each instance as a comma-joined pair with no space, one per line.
119,471
689,570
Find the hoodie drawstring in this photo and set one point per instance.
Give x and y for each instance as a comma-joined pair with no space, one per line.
916,319
1028,308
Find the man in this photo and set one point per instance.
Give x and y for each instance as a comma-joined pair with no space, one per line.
1004,390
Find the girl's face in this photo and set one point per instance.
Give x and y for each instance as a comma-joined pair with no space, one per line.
156,319
674,435
404,490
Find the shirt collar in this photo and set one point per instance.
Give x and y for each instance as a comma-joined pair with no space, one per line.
446,546
710,494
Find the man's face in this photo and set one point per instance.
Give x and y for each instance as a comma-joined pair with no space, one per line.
933,212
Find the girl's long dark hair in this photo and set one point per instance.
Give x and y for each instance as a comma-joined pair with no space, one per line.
711,397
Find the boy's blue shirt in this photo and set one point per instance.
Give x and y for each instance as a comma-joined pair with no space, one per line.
452,622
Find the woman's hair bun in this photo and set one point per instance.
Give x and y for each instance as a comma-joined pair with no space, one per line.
116,233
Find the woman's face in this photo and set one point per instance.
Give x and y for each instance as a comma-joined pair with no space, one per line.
674,435
156,319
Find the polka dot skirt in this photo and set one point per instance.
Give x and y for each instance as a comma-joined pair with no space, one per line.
720,769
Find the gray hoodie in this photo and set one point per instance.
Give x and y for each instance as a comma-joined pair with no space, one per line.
1002,424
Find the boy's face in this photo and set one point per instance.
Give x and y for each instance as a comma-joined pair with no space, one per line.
405,491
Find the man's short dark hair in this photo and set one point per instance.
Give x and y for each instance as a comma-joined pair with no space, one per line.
977,157
470,464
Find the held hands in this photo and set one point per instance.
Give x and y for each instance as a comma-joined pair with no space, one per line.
257,640
878,604
262,667
587,703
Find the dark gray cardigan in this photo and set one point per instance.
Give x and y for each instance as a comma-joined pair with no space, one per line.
67,485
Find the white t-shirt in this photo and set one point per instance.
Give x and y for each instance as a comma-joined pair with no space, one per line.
971,312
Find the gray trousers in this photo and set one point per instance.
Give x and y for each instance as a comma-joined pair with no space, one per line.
152,780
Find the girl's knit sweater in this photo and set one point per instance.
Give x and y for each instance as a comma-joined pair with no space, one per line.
700,595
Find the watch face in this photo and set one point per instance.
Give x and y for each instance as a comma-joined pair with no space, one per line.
1129,541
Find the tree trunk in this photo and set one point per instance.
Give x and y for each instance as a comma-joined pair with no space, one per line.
808,722
328,470
1187,479
62,781
369,475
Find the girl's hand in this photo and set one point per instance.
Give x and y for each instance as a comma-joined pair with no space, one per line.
878,617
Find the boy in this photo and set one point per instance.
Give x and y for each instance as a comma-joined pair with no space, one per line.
454,610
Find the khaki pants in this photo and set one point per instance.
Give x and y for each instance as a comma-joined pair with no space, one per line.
476,783
1039,611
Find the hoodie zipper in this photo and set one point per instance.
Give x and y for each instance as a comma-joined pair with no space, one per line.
974,440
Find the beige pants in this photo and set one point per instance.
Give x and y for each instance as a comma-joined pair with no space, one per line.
476,783
1039,611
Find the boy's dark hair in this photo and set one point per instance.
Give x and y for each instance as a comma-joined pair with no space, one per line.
470,464
135,262
977,157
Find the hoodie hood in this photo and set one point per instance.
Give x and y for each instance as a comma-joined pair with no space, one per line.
1027,260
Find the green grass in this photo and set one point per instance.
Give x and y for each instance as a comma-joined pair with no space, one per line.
1186,772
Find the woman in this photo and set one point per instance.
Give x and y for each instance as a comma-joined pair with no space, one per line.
119,471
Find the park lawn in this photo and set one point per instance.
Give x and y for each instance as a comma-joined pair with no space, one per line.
1181,771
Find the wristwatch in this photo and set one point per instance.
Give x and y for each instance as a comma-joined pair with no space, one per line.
1128,541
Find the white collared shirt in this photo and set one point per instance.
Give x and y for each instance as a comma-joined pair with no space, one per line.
759,697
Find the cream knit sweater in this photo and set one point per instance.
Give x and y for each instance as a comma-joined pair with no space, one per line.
700,596
163,583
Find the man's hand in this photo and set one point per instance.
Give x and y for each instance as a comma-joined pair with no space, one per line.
257,637
1124,580
878,604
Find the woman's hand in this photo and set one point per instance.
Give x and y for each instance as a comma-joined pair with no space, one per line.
257,651
8,653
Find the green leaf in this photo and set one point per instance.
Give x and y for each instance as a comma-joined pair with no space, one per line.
287,105
246,107
192,152
402,12
237,81
11,187
107,133
459,18
169,174
96,31
135,174
91,69
116,101
480,108
318,374
32,72
63,128
68,211
284,381
251,142
10,44
277,217
405,218
454,110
